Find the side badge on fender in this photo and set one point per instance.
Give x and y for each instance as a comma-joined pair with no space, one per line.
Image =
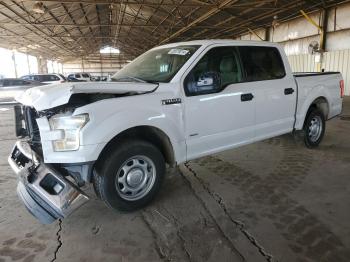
171,101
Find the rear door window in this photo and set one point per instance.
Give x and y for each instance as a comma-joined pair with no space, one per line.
49,78
39,78
54,78
77,75
85,75
262,63
22,82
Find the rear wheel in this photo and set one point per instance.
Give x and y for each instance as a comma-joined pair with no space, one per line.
130,176
314,128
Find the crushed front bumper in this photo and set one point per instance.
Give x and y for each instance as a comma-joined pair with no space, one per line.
46,193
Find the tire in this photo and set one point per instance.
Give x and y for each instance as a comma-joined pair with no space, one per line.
314,128
129,176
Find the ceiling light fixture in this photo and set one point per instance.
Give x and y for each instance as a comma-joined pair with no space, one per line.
109,50
275,22
38,8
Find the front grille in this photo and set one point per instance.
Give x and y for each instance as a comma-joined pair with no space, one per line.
20,159
26,125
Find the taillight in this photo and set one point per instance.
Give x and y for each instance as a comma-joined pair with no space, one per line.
341,84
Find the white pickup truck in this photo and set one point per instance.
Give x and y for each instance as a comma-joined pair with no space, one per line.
174,103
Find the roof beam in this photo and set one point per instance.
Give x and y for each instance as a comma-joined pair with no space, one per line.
200,19
118,2
97,25
46,35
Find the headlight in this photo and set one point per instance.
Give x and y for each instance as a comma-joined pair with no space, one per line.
70,125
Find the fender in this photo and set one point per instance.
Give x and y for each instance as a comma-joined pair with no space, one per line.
305,100
110,117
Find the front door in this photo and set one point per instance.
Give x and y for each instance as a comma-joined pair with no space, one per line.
219,109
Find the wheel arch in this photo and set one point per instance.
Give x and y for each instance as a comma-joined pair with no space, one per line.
151,134
320,103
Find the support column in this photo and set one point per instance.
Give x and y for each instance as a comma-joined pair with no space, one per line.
42,65
14,63
324,29
28,64
267,34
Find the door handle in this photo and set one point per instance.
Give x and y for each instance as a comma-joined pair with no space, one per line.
247,97
288,91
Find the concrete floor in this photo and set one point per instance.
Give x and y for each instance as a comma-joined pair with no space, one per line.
270,201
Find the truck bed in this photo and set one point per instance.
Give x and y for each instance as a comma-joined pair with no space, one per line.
312,85
304,74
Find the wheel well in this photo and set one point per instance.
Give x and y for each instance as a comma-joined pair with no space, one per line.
320,103
150,134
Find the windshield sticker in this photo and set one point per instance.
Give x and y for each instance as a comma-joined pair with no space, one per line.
178,52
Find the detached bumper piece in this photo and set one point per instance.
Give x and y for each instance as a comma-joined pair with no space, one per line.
46,193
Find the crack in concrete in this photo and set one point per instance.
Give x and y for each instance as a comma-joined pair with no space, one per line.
218,227
180,236
59,241
158,248
238,223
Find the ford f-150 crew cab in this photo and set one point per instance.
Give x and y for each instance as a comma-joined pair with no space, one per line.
174,103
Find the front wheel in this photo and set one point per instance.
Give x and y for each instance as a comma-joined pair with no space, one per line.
314,128
130,176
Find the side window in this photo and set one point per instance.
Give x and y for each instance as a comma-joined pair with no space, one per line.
39,78
54,78
45,78
77,75
218,68
262,63
24,82
17,82
11,82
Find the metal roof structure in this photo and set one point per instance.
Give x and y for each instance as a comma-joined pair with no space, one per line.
75,28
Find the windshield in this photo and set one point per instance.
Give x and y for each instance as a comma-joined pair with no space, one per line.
159,65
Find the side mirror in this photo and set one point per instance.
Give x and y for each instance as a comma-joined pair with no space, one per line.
209,81
205,80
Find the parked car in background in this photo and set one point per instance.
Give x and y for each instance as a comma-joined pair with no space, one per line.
11,87
96,78
46,78
80,76
73,79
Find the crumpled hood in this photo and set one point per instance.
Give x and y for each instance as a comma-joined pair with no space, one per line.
49,96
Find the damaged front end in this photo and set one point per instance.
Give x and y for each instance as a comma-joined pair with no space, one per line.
45,189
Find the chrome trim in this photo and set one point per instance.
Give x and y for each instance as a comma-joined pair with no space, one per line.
69,198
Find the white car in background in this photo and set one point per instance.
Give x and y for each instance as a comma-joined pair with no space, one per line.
80,76
46,78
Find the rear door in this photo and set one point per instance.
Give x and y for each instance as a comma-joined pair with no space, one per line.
274,90
218,114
